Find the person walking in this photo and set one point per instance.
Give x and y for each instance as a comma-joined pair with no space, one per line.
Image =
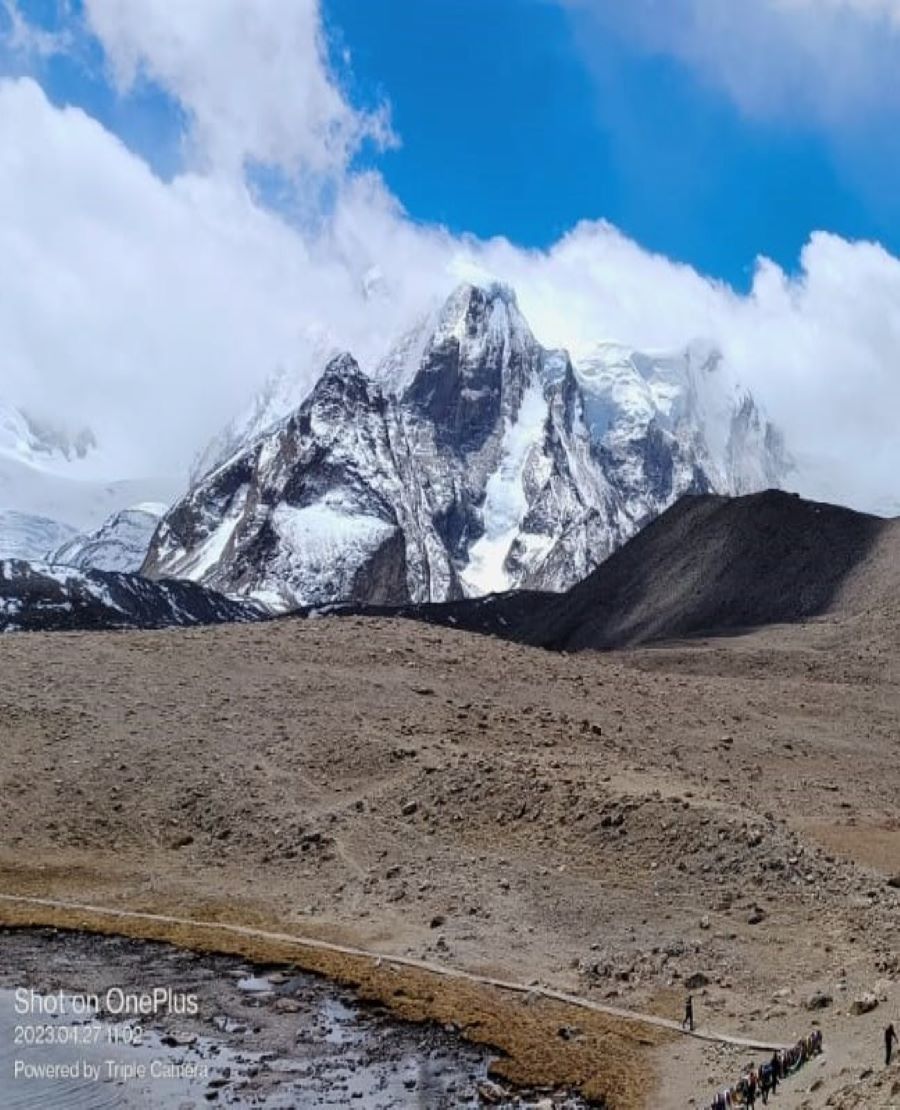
752,1089
765,1082
688,1022
890,1039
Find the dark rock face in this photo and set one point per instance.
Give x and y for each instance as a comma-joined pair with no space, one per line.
473,462
329,504
40,598
475,369
382,578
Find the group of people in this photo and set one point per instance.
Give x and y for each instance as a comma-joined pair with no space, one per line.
762,1081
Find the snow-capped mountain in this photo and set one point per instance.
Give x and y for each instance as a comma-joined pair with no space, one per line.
33,441
119,544
27,536
283,392
472,460
669,424
46,472
322,506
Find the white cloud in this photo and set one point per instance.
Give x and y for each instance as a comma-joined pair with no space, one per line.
24,40
150,309
826,61
253,77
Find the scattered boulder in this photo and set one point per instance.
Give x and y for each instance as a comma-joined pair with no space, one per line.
409,809
696,982
569,1032
865,1004
287,1006
756,916
818,1000
492,1093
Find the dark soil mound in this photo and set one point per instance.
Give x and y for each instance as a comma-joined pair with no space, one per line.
712,565
504,615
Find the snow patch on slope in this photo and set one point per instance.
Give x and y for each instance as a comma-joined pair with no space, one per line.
322,545
209,554
506,500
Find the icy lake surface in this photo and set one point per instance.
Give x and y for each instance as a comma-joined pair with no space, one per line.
265,1037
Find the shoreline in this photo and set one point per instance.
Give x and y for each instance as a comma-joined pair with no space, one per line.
523,1030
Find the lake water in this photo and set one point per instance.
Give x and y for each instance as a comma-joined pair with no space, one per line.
221,1033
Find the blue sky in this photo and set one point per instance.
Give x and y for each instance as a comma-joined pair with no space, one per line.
519,118
222,203
522,117
147,119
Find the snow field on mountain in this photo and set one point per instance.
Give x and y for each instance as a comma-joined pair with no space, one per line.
506,502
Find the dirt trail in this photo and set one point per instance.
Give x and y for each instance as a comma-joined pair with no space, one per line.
112,916
620,829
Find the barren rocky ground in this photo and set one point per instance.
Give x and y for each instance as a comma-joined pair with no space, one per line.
722,813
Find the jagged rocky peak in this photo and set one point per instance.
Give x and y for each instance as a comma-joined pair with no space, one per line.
309,512
343,383
676,422
475,366
473,460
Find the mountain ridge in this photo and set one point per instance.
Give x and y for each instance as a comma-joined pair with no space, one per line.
37,597
119,544
472,460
